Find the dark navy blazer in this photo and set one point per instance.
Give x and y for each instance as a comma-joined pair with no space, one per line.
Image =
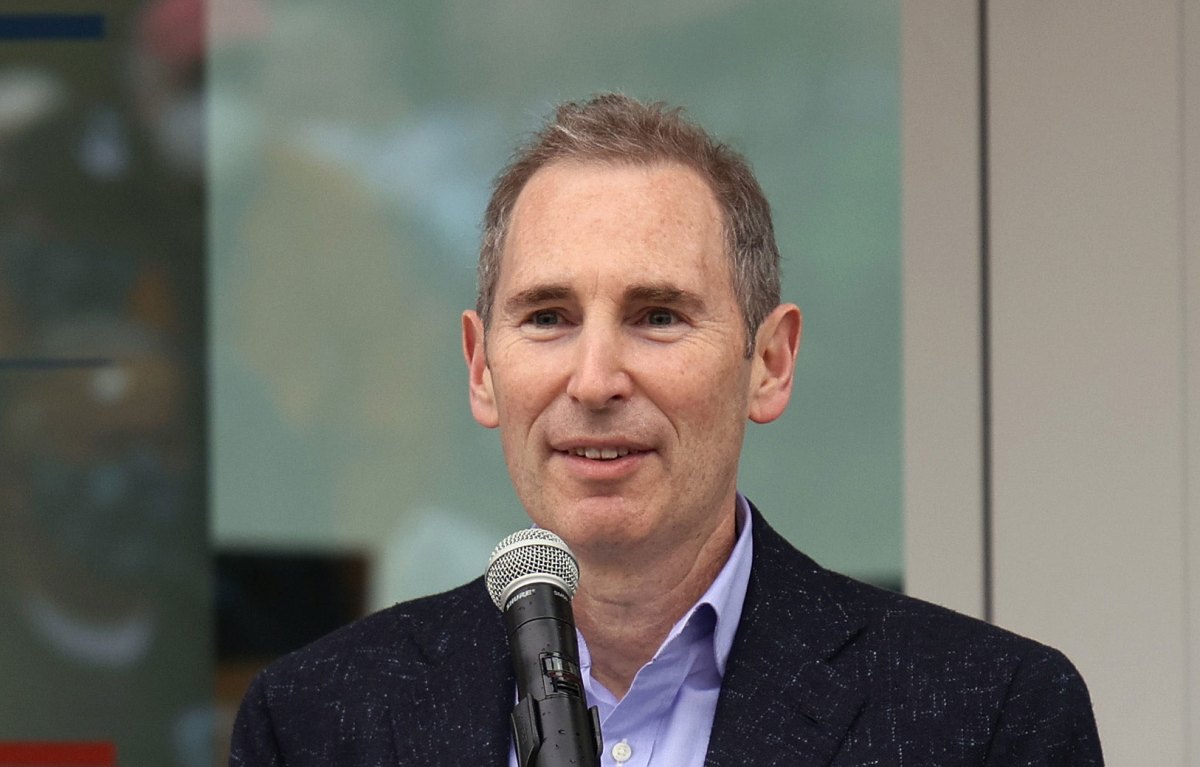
824,670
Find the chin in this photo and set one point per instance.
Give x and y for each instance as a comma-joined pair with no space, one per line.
594,522
602,540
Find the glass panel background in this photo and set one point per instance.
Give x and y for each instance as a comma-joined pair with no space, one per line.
105,606
352,148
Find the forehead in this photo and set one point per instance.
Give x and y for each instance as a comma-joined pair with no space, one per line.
574,216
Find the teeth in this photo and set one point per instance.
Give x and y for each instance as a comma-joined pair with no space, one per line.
600,453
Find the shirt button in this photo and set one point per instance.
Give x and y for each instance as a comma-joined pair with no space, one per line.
622,751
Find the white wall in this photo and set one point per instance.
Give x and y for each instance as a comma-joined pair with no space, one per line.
1191,213
943,527
1092,134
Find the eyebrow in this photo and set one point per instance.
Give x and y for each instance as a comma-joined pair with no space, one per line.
538,294
662,294
654,293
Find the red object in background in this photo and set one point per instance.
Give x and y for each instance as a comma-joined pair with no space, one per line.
177,32
58,755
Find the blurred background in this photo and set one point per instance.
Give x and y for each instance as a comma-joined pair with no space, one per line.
352,148
106,607
235,239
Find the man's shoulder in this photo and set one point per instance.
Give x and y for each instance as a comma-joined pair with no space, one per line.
407,673
796,579
881,670
941,637
396,641
882,632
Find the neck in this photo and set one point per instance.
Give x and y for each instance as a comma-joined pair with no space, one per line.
625,610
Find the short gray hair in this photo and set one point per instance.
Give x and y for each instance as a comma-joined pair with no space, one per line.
611,127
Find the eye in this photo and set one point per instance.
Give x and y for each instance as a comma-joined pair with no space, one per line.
660,318
544,318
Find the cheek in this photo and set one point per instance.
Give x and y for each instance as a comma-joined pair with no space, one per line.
702,393
519,404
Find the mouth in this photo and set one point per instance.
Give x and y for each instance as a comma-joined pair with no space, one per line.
601,453
591,460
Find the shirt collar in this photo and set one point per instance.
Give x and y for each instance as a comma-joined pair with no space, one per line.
723,599
714,619
727,592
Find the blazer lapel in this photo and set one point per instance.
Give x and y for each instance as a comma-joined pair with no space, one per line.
456,711
784,699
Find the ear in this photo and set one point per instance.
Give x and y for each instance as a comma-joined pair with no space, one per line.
775,347
479,377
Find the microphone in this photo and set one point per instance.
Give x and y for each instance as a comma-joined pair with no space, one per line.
531,577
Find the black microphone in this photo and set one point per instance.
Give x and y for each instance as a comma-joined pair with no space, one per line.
532,576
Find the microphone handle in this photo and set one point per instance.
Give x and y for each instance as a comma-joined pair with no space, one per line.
552,724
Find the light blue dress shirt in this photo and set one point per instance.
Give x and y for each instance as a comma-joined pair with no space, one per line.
667,715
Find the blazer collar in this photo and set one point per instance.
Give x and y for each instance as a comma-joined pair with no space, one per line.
784,699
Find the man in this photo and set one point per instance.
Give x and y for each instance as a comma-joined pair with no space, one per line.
628,325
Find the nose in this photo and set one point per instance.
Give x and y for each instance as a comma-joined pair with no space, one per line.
600,376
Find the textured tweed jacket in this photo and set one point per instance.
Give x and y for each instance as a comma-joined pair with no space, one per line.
823,671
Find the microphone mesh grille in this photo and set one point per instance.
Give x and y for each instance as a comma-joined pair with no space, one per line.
527,552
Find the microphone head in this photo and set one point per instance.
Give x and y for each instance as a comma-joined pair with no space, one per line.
530,556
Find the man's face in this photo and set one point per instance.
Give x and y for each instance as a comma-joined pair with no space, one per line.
614,365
